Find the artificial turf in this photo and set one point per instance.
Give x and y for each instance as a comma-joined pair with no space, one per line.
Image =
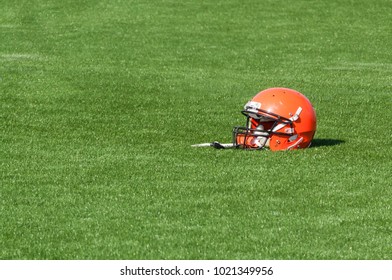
101,101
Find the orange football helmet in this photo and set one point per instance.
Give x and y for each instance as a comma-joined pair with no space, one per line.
278,118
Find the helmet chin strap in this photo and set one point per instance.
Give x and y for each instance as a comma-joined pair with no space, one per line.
261,137
267,143
299,141
293,119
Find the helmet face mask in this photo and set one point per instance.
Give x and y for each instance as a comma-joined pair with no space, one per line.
253,139
278,119
259,130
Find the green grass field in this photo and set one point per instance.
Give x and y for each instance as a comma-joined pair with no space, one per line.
101,101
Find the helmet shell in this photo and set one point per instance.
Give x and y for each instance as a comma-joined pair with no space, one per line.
294,116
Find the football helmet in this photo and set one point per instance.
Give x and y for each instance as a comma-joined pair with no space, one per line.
278,118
